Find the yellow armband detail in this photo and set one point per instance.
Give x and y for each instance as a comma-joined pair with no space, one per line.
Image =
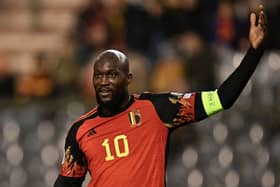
211,102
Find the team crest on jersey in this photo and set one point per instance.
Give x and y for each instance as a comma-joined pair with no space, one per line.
134,118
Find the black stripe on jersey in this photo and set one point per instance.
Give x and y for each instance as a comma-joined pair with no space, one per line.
162,105
161,102
71,140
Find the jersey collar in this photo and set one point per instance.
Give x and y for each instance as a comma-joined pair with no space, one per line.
130,102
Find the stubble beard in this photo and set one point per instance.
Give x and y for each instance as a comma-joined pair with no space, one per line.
115,102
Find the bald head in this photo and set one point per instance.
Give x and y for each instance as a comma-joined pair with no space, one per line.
111,78
115,56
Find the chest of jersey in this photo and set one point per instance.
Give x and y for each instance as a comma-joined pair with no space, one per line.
118,145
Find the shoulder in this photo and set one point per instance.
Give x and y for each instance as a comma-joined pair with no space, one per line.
160,101
154,97
150,95
87,115
76,124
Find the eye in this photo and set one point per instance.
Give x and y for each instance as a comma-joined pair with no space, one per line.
97,75
112,75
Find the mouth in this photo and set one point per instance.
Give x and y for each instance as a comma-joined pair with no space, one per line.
104,92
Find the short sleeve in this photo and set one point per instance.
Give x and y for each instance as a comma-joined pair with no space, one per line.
173,108
74,162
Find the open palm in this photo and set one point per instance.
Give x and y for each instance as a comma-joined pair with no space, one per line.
257,28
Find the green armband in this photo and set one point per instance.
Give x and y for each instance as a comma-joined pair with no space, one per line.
211,102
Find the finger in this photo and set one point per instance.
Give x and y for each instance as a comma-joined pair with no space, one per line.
262,17
261,8
253,18
261,20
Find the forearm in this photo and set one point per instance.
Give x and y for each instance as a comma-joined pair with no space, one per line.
232,87
62,181
208,103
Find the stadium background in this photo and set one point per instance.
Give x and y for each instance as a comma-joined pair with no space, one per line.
182,45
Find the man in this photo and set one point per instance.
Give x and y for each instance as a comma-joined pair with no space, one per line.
122,141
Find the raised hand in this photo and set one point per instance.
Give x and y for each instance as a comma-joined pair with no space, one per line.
257,28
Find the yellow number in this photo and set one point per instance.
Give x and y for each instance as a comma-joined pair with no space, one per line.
117,140
109,155
117,148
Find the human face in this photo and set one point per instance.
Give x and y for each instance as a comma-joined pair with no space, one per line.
110,81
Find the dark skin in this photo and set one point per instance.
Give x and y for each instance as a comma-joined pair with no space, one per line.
257,27
111,79
111,73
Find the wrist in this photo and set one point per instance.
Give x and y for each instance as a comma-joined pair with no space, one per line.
256,51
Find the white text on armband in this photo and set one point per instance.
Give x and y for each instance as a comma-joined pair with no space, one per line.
211,102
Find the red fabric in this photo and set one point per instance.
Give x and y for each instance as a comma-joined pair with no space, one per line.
128,149
145,162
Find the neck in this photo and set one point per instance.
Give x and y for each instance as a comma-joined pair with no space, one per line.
113,108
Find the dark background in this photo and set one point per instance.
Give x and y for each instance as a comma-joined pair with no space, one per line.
46,51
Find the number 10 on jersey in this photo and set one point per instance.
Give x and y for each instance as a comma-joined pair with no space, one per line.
120,139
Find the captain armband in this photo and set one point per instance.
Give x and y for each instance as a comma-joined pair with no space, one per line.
211,102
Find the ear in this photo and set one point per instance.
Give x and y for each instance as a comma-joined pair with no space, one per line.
129,78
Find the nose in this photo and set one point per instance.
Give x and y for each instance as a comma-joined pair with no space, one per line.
104,80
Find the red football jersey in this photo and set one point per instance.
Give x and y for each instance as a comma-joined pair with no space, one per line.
127,149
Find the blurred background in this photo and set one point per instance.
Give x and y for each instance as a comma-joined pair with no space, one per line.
46,51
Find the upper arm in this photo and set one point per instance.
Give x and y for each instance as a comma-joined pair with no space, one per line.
173,108
183,108
74,166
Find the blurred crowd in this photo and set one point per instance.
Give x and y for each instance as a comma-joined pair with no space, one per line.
172,45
